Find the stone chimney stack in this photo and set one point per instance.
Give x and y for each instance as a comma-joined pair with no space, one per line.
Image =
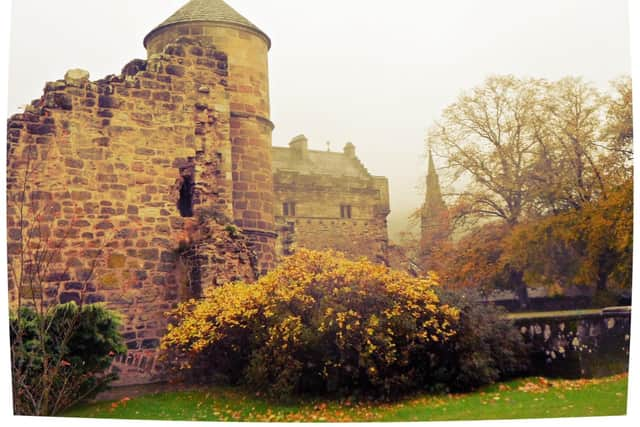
350,150
300,147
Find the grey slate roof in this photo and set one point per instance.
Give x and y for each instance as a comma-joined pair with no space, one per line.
209,11
318,163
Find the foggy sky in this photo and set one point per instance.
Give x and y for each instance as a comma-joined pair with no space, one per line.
371,72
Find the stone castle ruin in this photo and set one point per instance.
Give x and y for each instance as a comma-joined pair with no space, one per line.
149,185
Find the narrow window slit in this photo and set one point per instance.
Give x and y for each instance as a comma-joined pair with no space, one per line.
185,203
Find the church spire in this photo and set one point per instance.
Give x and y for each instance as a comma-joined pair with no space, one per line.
433,198
435,216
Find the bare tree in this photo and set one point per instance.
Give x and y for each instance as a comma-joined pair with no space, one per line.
488,139
617,134
567,173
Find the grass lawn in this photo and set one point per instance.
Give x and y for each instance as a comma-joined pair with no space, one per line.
525,398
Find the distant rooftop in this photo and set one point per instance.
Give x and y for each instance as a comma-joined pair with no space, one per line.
297,158
215,11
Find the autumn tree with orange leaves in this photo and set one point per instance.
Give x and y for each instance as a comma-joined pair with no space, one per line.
543,170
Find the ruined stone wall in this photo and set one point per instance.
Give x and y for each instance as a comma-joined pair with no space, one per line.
318,224
106,165
578,346
250,125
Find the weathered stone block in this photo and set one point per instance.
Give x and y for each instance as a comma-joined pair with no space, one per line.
54,86
145,151
14,234
105,101
41,195
149,254
107,178
116,261
175,50
90,153
102,141
162,96
58,277
129,336
66,297
59,100
74,163
41,129
209,63
159,280
150,343
196,50
13,248
176,70
74,286
166,268
105,225
220,56
109,281
94,298
143,94
49,291
76,77
35,291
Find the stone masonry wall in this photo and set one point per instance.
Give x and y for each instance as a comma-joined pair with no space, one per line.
250,125
317,223
578,346
107,164
253,185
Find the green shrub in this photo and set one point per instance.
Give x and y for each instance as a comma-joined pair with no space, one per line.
486,348
60,357
319,323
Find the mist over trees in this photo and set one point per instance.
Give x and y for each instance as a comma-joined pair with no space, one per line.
548,194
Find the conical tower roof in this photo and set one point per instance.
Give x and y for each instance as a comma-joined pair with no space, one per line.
211,11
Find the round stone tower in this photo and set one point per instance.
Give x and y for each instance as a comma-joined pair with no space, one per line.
213,22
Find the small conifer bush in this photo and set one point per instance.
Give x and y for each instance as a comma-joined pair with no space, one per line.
60,356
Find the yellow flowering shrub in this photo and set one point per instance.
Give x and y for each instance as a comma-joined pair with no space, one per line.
318,323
